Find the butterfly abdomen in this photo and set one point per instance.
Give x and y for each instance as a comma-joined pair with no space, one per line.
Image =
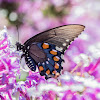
30,63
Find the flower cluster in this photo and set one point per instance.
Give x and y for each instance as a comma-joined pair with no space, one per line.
70,85
80,76
9,67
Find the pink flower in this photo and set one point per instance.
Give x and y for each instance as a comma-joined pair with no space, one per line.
8,67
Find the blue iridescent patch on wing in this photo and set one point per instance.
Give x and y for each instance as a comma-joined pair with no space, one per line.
53,62
50,66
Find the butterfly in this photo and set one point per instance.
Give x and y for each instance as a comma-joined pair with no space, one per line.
46,49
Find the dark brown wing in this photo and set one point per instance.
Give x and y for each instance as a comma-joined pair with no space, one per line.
36,53
59,36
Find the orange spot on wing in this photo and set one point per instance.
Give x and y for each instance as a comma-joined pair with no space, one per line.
56,58
45,45
54,72
41,68
56,66
48,71
54,52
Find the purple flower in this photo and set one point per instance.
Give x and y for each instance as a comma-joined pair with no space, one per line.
8,67
80,77
50,95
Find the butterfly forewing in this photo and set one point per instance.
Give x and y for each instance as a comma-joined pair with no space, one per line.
65,34
58,36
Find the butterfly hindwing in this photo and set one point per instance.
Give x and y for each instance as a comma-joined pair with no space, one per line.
46,57
52,63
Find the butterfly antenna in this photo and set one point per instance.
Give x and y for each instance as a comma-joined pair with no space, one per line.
17,32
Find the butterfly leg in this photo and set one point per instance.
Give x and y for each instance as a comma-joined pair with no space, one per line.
23,55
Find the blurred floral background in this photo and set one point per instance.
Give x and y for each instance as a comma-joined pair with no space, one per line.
80,78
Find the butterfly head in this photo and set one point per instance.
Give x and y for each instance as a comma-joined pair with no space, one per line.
19,46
